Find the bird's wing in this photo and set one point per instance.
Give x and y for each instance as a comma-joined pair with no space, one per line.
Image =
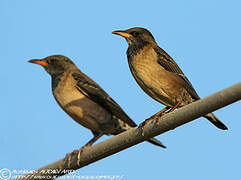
170,65
93,91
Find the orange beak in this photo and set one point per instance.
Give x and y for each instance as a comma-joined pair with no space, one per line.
122,33
40,62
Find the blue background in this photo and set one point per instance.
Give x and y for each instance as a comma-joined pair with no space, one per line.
202,36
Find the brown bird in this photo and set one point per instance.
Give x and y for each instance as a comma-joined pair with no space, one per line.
85,101
158,74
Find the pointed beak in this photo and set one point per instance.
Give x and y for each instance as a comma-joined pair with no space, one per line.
38,61
122,33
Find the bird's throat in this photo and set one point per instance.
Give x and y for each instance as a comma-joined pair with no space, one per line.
135,48
56,79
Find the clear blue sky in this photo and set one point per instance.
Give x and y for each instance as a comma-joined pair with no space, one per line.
202,36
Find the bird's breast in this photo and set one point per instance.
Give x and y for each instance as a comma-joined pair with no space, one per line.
82,109
153,78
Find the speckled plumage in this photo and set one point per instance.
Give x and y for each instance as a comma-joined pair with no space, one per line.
84,100
157,73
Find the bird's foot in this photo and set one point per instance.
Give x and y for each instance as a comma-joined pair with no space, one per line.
157,118
69,156
142,125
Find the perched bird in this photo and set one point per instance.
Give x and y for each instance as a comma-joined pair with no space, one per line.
158,74
84,100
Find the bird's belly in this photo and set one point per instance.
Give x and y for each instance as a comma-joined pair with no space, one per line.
84,111
156,82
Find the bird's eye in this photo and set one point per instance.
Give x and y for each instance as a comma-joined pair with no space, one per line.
135,33
49,61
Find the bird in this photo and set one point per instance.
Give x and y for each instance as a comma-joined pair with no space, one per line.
85,101
158,74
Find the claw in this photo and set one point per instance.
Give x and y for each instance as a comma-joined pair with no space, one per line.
70,155
142,125
156,119
164,111
69,159
78,158
79,153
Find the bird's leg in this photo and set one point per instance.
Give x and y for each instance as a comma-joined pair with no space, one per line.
159,113
151,118
88,144
174,107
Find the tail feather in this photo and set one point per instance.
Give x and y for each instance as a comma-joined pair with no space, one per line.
156,142
213,119
124,127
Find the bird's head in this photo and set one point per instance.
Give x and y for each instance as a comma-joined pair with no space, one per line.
136,35
54,64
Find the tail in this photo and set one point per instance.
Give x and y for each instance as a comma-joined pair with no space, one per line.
156,142
123,126
216,122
